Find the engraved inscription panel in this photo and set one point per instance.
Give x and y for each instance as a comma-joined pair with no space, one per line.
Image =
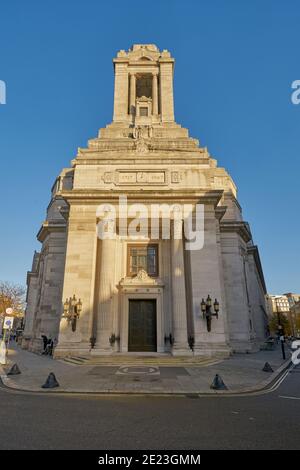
125,178
158,177
142,177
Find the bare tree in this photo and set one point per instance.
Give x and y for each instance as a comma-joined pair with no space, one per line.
12,295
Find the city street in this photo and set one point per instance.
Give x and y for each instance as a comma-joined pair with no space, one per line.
267,421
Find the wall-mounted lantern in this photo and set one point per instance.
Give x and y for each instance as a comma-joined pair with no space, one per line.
207,312
72,310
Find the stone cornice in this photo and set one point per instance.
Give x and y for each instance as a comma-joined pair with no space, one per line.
149,159
121,60
230,195
144,195
31,274
163,60
239,227
64,211
50,227
94,150
220,211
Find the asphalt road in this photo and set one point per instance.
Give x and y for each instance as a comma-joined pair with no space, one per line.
270,421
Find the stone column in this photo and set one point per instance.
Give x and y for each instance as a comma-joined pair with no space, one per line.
180,347
154,95
132,93
106,292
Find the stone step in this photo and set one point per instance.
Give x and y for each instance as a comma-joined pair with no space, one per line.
133,361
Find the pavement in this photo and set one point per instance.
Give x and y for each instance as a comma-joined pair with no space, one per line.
242,373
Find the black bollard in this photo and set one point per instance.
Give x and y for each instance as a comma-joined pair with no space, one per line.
51,381
218,384
267,368
14,370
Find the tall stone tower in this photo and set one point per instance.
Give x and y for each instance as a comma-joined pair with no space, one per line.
144,86
145,294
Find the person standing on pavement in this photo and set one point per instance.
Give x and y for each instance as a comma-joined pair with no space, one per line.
45,341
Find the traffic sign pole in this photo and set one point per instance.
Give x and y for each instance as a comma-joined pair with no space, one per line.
3,350
8,340
7,325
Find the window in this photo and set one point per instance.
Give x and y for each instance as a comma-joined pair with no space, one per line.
143,111
144,85
142,257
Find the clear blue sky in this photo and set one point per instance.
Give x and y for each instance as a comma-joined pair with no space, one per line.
235,62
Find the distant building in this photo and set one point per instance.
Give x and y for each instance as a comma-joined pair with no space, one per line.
295,315
292,298
284,305
277,303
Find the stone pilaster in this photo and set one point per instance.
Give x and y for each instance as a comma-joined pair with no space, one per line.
207,278
79,279
180,346
121,92
166,91
234,253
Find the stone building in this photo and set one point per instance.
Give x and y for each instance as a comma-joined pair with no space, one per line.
286,305
144,294
295,316
277,303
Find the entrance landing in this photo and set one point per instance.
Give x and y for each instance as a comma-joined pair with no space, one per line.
178,376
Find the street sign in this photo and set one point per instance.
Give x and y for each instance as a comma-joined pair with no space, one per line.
9,311
8,323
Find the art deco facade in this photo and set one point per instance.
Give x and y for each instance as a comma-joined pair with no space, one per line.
144,294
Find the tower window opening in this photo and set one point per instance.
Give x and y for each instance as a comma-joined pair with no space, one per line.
144,86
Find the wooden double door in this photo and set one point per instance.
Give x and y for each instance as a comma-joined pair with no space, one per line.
142,331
